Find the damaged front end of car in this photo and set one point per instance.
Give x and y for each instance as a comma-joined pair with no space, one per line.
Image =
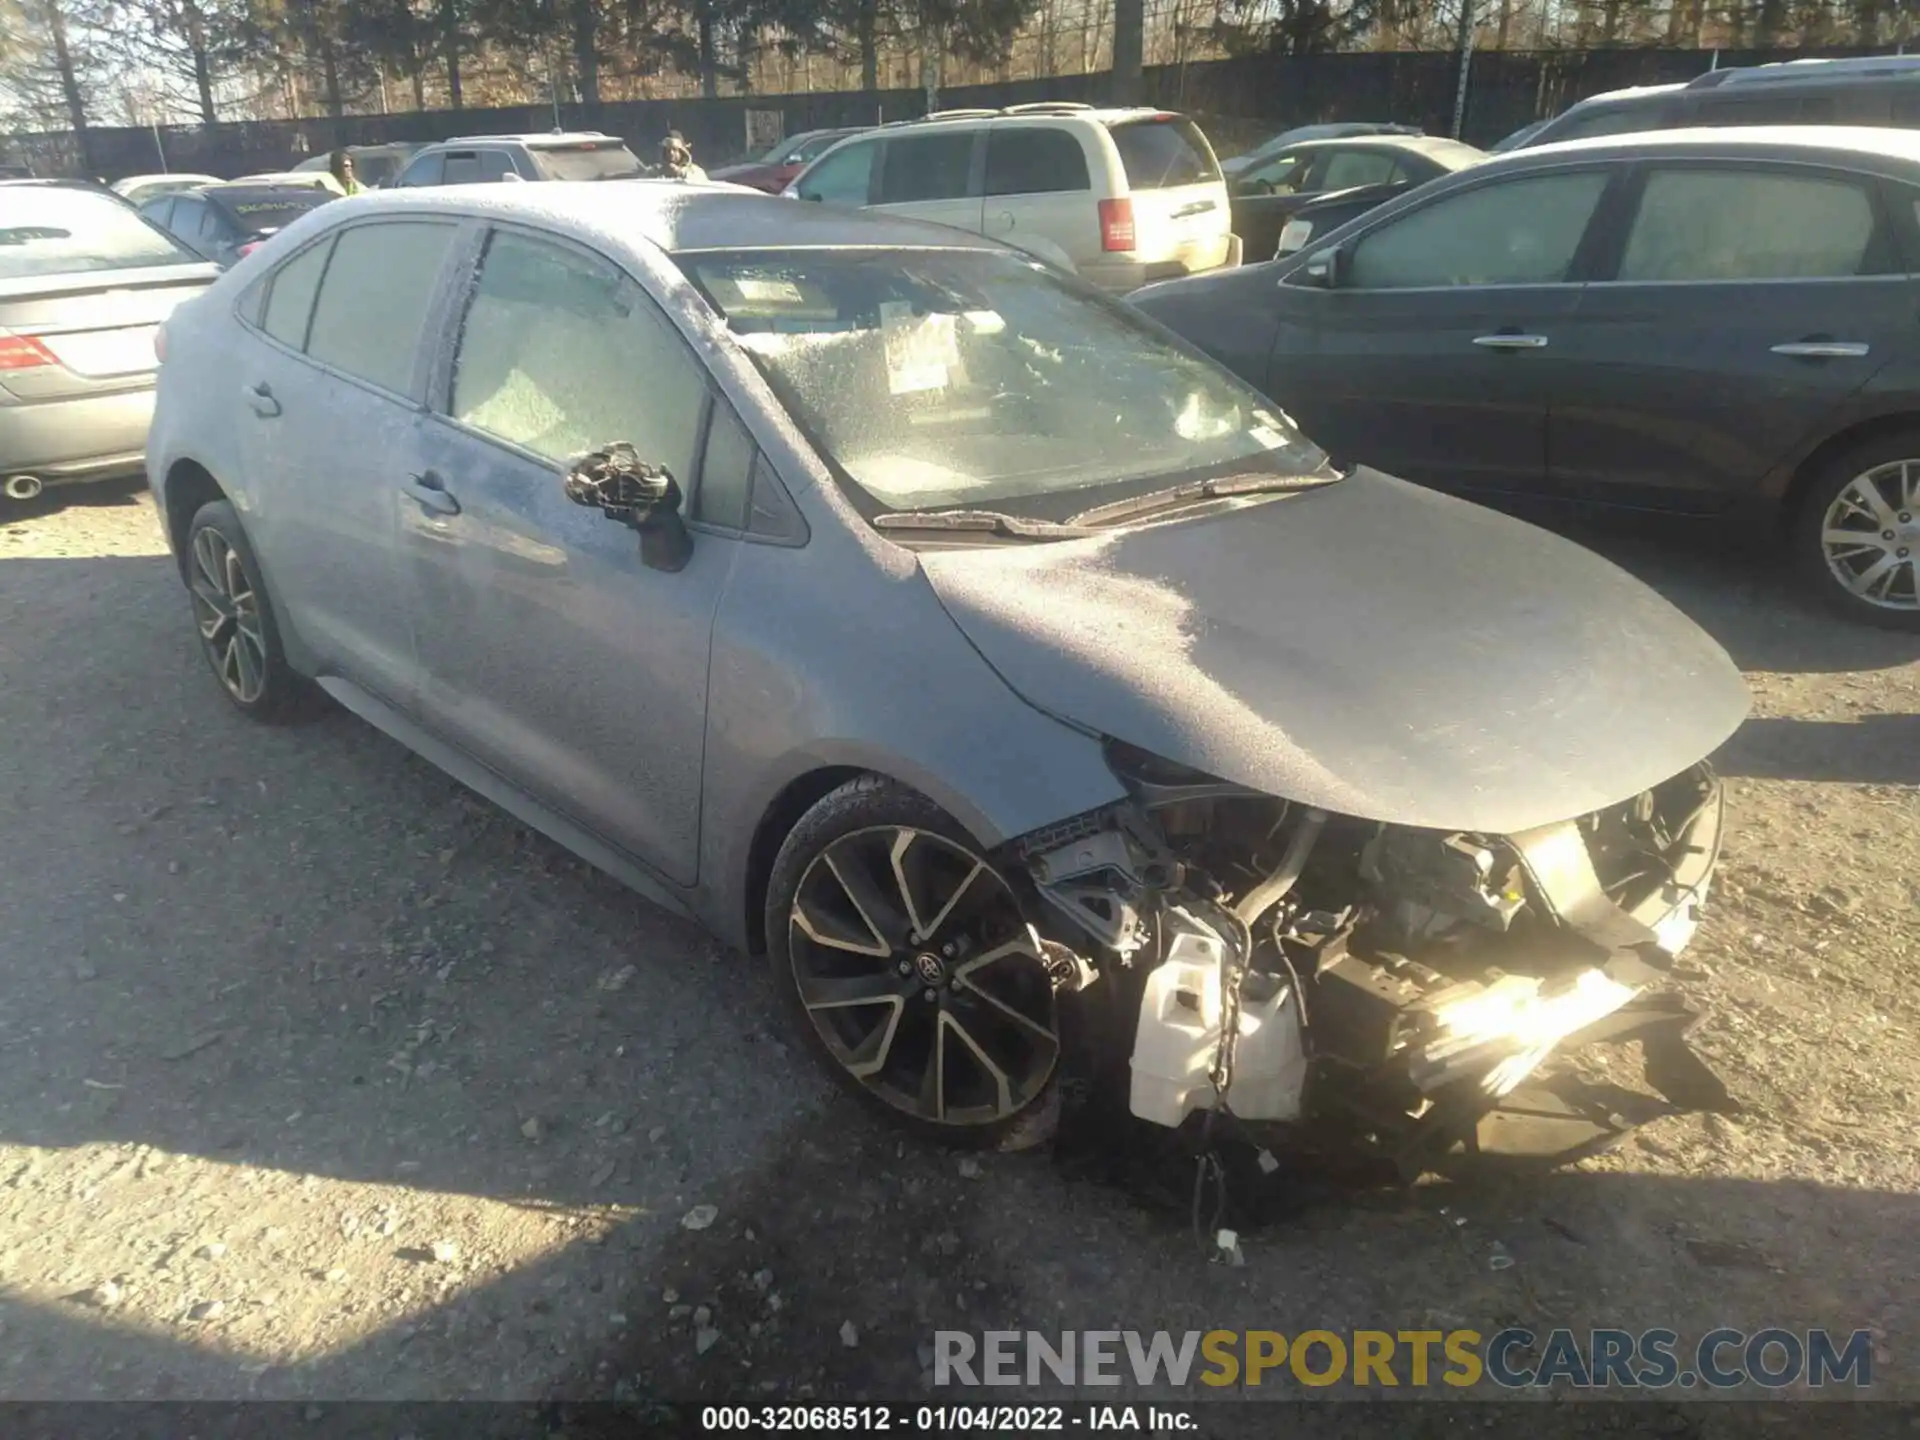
1320,982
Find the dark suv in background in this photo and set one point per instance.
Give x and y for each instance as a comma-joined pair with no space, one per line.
1870,90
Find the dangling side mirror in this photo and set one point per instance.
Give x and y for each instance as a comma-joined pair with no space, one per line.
623,487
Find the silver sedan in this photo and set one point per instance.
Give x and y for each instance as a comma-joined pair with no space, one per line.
965,643
84,285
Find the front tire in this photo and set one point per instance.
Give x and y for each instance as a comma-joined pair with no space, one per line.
1856,537
906,960
234,617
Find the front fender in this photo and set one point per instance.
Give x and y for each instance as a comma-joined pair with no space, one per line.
868,675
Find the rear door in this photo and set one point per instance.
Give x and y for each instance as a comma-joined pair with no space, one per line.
932,175
1435,359
1744,304
1181,218
331,403
1038,189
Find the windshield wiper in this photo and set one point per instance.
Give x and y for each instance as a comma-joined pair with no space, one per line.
986,522
1175,496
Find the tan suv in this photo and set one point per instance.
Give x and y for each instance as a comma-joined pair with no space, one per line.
1122,197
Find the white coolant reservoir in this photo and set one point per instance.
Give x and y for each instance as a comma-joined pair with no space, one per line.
1178,1038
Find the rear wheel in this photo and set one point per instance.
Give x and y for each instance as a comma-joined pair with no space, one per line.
1857,536
239,634
906,958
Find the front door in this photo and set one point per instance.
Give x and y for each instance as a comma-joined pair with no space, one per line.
329,410
1747,303
549,651
1434,357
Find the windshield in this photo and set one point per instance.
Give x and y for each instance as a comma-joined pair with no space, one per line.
606,160
1163,152
934,379
63,232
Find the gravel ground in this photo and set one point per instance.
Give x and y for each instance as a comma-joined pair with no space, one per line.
322,1079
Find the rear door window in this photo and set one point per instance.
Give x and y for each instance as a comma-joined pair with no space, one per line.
160,212
373,302
1160,154
1034,160
927,167
842,178
1696,224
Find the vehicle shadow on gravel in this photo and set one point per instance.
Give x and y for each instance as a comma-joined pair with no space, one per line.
1743,595
1866,750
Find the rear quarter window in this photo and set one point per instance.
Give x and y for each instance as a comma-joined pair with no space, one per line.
1160,154
1034,160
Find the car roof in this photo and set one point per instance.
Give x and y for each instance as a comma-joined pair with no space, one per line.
561,137
1438,146
1861,140
1042,110
674,215
1630,92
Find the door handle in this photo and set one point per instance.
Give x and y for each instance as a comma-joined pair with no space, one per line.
260,398
1511,342
428,492
1823,349
1005,219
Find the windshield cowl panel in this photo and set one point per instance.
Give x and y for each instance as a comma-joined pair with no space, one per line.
951,380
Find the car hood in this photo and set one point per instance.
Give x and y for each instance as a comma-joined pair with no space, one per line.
1368,647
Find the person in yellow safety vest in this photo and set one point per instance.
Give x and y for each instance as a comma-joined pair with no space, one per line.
341,164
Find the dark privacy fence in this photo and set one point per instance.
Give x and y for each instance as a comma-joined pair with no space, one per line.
1506,90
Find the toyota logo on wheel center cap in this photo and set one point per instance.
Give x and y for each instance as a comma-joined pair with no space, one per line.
932,968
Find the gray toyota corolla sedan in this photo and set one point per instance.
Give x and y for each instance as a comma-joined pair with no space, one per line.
1025,686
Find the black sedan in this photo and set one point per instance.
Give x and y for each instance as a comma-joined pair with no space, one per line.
1369,168
1714,323
224,222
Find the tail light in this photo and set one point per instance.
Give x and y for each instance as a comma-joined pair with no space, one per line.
160,344
248,248
1116,224
23,352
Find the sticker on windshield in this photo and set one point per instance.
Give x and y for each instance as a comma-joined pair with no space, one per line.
920,349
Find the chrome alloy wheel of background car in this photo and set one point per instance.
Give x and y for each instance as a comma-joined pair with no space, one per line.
228,613
920,974
1871,536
